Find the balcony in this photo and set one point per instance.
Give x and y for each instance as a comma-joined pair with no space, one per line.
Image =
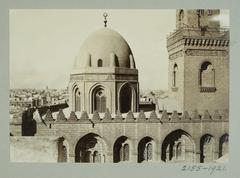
207,89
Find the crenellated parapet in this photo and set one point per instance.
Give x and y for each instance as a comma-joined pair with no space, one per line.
140,117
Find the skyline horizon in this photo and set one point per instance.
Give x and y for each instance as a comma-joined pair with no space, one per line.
36,36
165,90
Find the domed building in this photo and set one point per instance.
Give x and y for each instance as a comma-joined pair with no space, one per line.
104,75
103,124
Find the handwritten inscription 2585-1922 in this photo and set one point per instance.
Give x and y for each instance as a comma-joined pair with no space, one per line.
210,168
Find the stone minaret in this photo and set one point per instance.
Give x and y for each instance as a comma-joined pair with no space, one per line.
199,61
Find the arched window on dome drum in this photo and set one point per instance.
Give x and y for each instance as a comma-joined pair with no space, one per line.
77,99
207,77
175,73
99,63
99,100
126,97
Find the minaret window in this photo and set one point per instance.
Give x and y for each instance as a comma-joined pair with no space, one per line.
180,18
200,12
175,73
100,63
207,77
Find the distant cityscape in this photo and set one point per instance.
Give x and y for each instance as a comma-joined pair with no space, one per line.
21,99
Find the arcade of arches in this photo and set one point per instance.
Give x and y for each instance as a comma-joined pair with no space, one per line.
178,146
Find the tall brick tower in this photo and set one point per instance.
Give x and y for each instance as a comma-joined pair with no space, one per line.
199,61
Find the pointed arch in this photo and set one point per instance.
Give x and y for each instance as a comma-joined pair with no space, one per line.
121,149
180,141
76,98
145,149
127,98
207,75
90,148
207,148
100,63
99,98
223,144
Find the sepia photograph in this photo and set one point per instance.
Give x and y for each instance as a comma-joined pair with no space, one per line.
119,85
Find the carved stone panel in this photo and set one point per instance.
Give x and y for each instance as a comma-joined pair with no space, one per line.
198,52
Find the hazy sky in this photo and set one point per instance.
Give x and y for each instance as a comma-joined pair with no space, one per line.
44,43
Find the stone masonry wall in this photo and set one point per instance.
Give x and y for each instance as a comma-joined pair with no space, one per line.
135,127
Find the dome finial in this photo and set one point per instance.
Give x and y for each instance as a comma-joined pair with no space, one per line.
105,19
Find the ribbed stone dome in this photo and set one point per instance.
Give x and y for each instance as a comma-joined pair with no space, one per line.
106,48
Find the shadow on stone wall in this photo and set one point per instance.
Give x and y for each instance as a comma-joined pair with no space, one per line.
29,125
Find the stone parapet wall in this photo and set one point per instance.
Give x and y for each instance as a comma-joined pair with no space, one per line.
153,116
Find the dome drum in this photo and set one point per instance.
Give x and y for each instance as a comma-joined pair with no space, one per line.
105,74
